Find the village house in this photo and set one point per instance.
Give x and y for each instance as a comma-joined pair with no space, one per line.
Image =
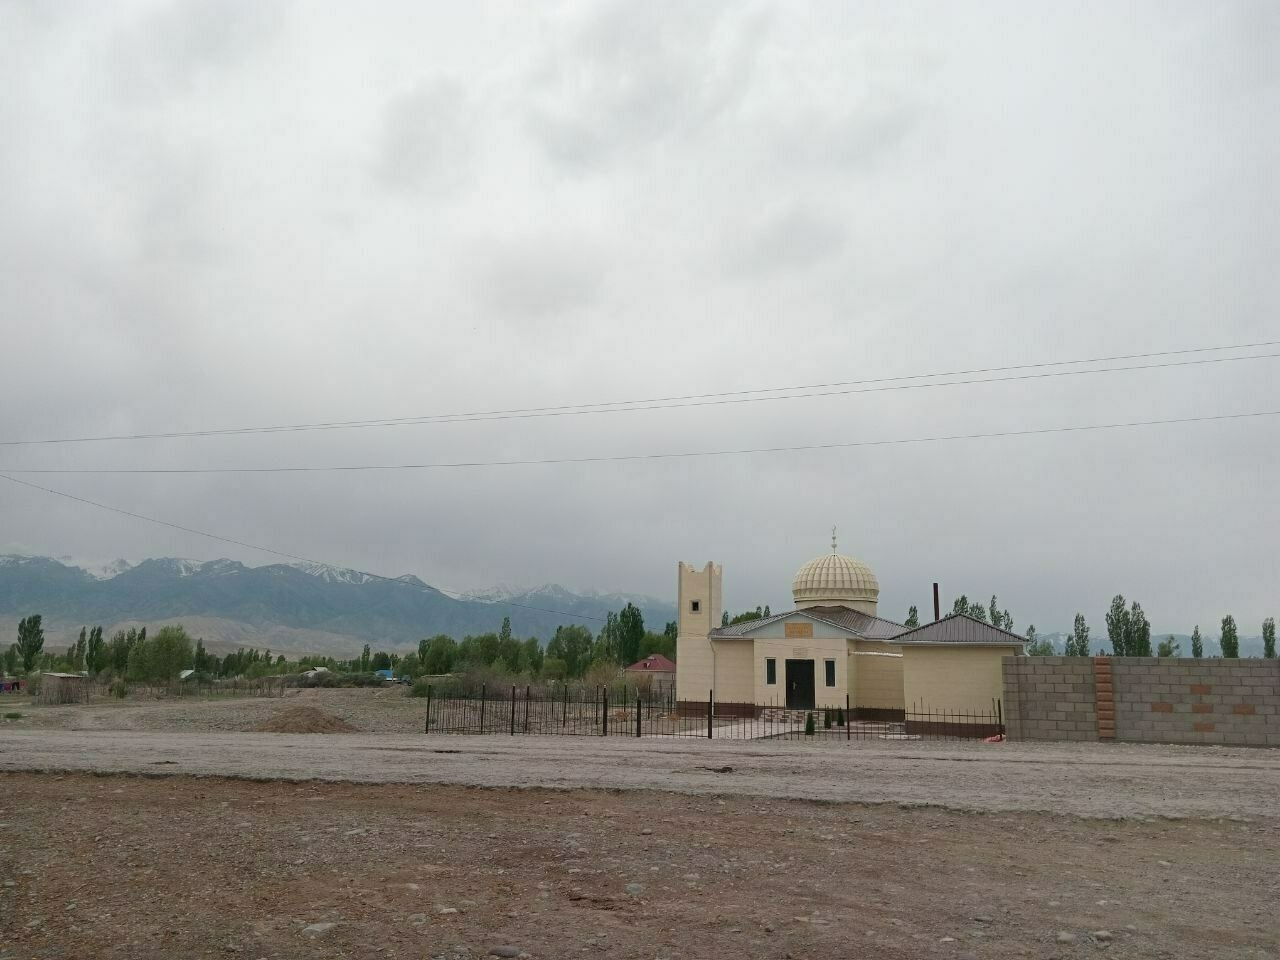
833,649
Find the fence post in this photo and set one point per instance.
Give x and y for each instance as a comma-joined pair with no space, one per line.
426,727
848,721
638,708
526,708
513,710
564,721
711,709
483,698
999,716
604,711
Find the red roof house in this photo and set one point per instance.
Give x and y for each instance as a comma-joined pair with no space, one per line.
654,663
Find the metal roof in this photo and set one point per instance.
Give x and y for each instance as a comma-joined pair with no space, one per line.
960,628
862,624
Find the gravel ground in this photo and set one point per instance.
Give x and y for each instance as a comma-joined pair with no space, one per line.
178,867
1087,780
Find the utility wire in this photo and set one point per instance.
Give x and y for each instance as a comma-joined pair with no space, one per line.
629,457
270,550
755,395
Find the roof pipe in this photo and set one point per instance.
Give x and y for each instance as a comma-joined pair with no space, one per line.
937,611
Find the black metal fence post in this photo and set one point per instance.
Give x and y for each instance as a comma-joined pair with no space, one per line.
513,710
604,711
526,709
564,720
999,717
426,727
483,698
639,707
848,720
711,709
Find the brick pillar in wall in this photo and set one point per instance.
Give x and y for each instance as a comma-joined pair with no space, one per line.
1105,698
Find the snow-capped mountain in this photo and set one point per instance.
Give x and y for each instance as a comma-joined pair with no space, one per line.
299,600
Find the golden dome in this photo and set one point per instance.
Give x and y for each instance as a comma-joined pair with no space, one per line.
835,580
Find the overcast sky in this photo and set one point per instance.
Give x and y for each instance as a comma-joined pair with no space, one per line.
220,214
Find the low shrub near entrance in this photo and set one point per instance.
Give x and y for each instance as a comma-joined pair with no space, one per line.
808,725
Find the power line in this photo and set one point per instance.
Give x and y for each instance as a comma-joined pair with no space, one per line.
629,457
259,547
754,395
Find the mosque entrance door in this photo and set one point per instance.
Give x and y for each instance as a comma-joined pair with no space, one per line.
800,685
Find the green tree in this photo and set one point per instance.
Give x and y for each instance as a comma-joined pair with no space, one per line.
1138,642
161,658
11,659
671,630
531,654
961,605
572,645
504,632
380,661
80,650
438,654
365,657
630,634
1269,637
608,645
913,618
1230,641
1037,647
1197,645
95,656
30,641
553,668
1118,627
1169,648
1078,642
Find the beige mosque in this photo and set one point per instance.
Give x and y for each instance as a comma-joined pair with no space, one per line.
833,646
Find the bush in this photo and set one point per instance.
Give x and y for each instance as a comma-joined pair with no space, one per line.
13,716
826,719
118,689
808,724
420,688
840,717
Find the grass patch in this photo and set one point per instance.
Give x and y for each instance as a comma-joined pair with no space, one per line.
13,716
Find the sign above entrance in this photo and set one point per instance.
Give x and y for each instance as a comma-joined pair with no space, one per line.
802,630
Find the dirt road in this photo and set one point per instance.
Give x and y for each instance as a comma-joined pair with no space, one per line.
177,867
1089,780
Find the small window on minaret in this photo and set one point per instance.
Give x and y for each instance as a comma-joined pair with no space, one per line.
694,606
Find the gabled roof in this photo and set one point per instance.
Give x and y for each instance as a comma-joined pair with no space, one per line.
656,662
863,624
854,621
960,628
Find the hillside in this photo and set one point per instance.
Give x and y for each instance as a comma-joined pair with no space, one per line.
287,607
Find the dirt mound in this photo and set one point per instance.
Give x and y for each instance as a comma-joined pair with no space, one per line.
304,720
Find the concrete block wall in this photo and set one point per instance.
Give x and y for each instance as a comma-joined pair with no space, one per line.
1156,700
1163,700
1049,698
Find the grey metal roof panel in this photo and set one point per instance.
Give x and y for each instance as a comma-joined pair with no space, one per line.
862,624
959,628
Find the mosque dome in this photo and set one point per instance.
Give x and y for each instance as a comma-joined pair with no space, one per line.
836,580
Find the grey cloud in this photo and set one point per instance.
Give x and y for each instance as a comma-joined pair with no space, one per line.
240,213
627,79
793,239
427,139
178,44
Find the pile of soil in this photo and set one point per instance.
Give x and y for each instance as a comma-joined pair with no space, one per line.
304,720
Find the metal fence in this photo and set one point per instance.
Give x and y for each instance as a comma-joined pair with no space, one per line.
610,713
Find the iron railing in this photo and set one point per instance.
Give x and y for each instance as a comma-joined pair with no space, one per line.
609,713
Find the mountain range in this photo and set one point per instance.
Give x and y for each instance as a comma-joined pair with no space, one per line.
287,607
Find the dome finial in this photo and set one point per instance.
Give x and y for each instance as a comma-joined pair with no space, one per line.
833,539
